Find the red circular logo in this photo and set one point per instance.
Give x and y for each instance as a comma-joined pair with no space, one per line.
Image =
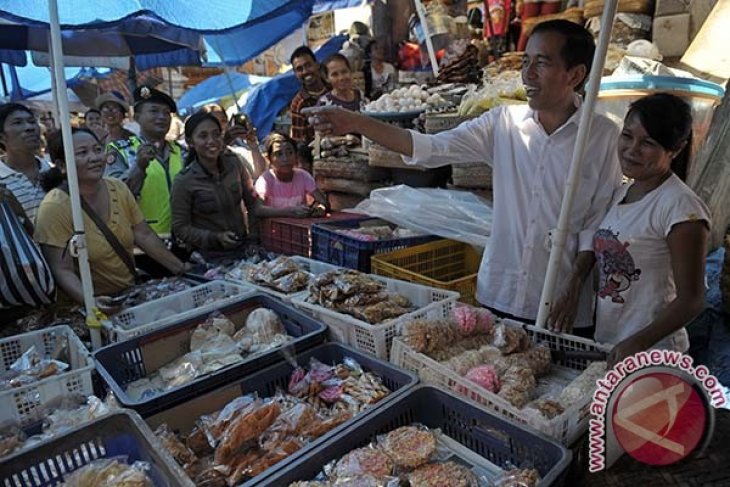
659,418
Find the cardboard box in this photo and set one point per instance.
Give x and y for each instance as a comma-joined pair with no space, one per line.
671,34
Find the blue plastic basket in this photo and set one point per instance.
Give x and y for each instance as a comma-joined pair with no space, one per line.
345,251
266,383
126,362
503,443
119,434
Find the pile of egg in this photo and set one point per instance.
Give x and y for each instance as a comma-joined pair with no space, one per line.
407,99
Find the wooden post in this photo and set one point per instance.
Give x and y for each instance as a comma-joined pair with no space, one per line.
713,184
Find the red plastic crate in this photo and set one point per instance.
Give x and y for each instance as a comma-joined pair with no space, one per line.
293,236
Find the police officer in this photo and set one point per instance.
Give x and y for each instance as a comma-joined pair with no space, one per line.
147,162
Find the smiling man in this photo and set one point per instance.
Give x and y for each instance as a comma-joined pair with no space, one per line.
306,69
529,148
148,163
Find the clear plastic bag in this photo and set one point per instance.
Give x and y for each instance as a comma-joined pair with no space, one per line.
110,472
32,367
457,215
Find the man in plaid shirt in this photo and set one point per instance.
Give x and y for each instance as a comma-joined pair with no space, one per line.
306,69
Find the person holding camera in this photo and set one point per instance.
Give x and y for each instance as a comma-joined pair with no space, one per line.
207,196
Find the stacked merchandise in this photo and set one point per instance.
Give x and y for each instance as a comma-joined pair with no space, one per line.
633,21
460,64
341,169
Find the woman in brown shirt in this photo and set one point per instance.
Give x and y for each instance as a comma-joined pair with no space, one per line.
207,196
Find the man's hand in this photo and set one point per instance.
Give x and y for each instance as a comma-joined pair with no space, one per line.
563,311
236,132
145,154
107,305
623,349
301,211
332,120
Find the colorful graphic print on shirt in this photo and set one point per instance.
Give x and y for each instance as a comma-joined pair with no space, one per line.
615,265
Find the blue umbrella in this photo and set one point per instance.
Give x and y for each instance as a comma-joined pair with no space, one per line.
216,87
268,99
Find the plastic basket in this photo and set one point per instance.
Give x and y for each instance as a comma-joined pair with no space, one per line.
21,404
565,428
494,439
342,250
125,362
292,236
174,308
445,264
439,122
377,339
268,381
122,433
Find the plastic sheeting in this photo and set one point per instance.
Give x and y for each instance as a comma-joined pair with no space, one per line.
457,215
216,87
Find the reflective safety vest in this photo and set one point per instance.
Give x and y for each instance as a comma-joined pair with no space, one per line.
154,198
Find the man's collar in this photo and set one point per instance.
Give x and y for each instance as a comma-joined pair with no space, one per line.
573,119
6,170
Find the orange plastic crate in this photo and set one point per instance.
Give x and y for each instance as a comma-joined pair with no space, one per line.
444,264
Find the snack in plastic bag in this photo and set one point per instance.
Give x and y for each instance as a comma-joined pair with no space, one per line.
428,336
548,408
509,339
409,446
517,477
310,483
245,428
358,481
263,324
12,438
109,472
364,461
30,367
473,321
485,376
214,334
181,453
446,474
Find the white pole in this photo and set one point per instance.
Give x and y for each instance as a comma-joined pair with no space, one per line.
78,241
560,235
421,11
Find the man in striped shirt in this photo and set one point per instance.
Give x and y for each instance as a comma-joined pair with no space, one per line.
21,168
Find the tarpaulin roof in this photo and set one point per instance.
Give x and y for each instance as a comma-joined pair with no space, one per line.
267,100
327,5
214,88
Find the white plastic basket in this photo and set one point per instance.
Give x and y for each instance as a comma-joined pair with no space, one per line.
314,267
21,404
565,428
174,308
377,339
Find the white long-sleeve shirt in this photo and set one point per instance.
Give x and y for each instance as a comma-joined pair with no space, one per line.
529,175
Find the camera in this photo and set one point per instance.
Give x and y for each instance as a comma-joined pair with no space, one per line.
241,120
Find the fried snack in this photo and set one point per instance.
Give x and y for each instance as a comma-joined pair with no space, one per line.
310,483
319,428
509,339
241,465
108,473
409,447
358,481
429,336
461,364
527,477
218,423
181,453
245,428
537,359
460,346
484,376
583,385
211,477
197,442
364,461
548,408
447,474
271,458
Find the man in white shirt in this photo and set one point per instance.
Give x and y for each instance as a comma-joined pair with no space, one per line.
530,149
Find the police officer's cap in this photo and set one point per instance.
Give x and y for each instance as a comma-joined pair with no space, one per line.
147,93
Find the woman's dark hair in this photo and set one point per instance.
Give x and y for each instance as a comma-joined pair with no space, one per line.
191,124
668,120
280,138
54,177
7,109
335,57
579,45
91,110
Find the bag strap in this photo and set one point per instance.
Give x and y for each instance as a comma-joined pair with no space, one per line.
108,234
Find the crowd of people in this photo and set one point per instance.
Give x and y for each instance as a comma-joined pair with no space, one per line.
645,239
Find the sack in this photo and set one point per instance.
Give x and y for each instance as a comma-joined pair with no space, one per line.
27,279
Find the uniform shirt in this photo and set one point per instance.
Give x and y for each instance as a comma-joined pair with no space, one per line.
529,172
636,280
301,131
54,227
29,195
280,194
204,205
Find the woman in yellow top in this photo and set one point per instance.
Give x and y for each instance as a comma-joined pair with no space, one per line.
112,201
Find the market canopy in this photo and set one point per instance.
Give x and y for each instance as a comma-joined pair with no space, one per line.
216,87
321,6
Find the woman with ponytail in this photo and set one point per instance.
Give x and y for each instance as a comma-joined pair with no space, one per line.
650,248
207,195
